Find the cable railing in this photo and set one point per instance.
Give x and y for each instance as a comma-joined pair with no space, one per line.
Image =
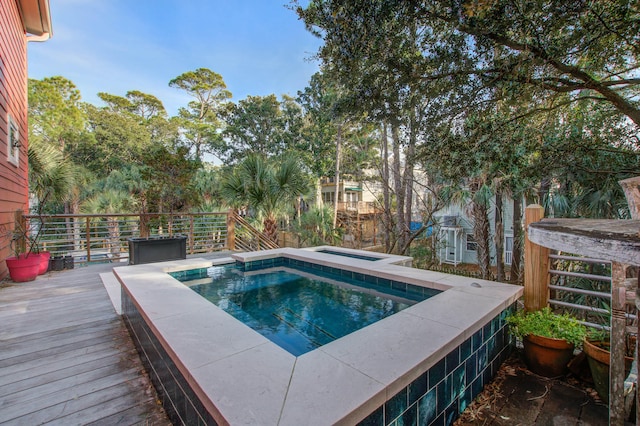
104,238
581,286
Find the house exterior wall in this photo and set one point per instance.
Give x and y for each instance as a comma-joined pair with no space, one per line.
13,108
465,221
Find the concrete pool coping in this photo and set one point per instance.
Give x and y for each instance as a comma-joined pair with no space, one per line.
243,378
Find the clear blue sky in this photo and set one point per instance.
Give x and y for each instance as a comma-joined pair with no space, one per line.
258,46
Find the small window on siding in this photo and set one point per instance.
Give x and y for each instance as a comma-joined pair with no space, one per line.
471,243
13,143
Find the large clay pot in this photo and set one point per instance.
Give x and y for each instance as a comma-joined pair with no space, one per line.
24,267
44,262
598,357
546,356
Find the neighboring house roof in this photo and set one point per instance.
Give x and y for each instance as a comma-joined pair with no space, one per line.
36,17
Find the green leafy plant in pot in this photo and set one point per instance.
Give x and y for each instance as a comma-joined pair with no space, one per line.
25,263
549,339
597,348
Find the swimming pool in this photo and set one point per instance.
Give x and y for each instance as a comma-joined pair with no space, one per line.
421,365
348,254
294,308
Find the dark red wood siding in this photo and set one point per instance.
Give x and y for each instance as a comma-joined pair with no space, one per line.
14,192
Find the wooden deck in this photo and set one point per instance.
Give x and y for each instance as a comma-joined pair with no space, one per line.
66,357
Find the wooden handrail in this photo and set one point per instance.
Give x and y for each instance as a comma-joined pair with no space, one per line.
263,240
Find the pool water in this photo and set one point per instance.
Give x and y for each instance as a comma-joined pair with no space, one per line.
351,255
296,310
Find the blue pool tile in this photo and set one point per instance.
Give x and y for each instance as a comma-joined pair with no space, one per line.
383,282
399,286
415,289
476,340
395,406
439,421
476,387
465,349
436,373
465,399
427,408
410,416
482,359
487,331
453,360
451,413
471,365
374,419
458,382
444,394
417,388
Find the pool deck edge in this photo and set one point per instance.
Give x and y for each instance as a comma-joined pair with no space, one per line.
342,381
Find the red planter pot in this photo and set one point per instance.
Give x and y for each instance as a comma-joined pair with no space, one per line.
23,268
546,356
44,262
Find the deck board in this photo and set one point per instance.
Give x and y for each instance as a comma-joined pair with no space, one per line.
66,357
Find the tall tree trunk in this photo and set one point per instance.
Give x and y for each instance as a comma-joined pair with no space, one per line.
399,187
481,233
337,177
407,179
271,228
517,239
386,197
499,236
114,236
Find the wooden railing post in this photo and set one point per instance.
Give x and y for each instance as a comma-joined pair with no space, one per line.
536,265
231,231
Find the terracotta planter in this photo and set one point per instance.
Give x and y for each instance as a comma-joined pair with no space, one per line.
23,268
598,357
44,262
546,356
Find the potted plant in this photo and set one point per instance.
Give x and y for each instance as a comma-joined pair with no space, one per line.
596,347
549,339
25,263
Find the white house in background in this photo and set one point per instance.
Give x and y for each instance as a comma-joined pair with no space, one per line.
454,233
353,197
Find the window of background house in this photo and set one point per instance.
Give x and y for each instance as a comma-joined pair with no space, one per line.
471,243
13,143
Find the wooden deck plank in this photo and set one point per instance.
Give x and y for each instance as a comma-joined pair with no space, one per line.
22,355
108,407
66,357
37,392
25,378
49,323
59,405
62,334
61,359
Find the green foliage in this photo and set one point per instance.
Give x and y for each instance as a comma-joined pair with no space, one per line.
267,187
316,227
260,125
199,120
55,111
547,324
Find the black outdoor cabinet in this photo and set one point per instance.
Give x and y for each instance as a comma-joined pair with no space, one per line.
157,249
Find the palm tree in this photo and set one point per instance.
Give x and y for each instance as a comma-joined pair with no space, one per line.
51,176
267,187
110,202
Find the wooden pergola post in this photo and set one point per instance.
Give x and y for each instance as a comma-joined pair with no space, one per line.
536,265
231,231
